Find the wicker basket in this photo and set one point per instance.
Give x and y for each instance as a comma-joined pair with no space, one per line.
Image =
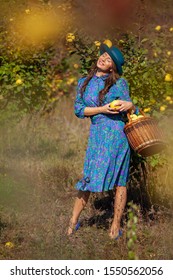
144,135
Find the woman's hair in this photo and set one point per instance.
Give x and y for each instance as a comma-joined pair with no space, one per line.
112,78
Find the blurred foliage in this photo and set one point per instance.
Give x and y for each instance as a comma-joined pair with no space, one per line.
147,66
37,67
34,67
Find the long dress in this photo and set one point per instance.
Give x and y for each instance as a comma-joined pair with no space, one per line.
107,158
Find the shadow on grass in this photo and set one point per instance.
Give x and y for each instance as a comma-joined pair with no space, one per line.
104,208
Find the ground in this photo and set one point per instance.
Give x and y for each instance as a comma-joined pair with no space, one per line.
39,165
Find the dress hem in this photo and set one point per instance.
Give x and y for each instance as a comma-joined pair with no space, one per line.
87,190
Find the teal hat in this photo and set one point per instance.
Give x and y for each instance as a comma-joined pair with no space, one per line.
116,56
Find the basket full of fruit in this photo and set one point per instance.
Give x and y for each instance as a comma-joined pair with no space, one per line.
144,135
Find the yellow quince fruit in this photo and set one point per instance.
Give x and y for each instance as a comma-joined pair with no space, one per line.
168,98
168,77
108,43
146,110
70,81
76,66
133,117
114,105
97,43
158,27
162,108
27,11
9,244
18,82
70,37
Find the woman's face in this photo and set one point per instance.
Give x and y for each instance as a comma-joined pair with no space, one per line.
104,62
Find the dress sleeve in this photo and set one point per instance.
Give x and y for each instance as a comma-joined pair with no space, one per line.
123,88
79,104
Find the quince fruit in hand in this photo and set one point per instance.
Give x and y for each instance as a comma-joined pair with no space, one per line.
114,105
140,116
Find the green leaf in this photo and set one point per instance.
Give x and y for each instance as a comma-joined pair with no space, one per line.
135,100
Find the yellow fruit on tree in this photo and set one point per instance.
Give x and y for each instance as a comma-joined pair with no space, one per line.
168,98
147,109
70,37
168,77
162,108
18,82
114,105
76,66
70,40
27,11
70,81
97,43
169,53
171,102
158,27
108,43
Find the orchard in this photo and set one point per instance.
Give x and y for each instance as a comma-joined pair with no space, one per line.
148,67
34,78
45,47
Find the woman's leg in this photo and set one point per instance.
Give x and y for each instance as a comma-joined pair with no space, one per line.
80,203
119,205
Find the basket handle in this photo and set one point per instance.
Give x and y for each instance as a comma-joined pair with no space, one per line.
129,113
128,116
142,112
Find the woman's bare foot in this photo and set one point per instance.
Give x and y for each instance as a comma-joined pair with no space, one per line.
71,227
114,230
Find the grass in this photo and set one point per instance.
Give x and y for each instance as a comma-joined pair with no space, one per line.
40,161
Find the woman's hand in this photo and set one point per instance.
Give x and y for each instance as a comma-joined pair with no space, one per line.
106,109
124,106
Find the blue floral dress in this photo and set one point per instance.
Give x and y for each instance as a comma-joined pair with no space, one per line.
107,157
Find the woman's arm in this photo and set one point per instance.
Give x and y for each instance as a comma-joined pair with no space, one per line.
79,104
89,111
125,102
82,111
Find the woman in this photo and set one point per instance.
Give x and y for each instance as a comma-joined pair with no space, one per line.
107,158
